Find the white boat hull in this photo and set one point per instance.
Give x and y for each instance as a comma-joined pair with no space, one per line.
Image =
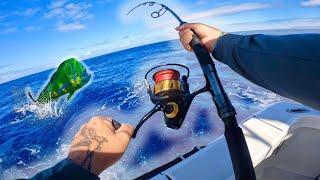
282,145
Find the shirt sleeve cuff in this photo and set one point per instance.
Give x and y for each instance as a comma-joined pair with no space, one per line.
70,166
66,169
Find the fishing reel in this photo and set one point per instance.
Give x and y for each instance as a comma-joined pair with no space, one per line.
170,93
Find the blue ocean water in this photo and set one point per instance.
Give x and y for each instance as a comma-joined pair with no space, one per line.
34,139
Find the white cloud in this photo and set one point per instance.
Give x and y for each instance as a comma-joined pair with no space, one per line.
57,12
56,4
27,12
104,1
215,12
31,28
227,10
66,27
303,23
8,30
73,11
311,3
79,10
201,2
70,16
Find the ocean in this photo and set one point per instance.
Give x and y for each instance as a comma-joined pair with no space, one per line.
33,139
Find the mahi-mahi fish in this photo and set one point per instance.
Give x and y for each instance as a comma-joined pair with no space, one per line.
69,77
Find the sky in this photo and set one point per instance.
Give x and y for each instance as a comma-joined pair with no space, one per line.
39,34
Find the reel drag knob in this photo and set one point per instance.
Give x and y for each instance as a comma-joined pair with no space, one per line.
171,110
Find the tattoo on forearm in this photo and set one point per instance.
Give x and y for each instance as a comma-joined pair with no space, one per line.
90,136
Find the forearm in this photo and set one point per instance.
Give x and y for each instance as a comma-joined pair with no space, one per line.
287,65
65,169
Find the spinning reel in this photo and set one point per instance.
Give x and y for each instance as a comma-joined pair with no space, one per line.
169,93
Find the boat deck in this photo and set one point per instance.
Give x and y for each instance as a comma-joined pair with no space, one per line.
265,133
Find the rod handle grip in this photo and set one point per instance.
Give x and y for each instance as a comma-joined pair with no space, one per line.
200,51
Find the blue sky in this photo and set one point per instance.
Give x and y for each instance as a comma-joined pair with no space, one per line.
38,34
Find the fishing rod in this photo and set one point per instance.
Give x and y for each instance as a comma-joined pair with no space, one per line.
171,95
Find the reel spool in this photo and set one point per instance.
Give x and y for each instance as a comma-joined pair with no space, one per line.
166,80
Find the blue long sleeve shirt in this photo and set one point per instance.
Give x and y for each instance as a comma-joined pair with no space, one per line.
66,170
287,65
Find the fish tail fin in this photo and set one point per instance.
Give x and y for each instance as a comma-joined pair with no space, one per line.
31,97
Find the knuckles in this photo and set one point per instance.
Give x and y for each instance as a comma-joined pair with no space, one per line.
129,127
99,120
185,32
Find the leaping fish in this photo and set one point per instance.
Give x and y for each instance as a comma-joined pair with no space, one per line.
69,77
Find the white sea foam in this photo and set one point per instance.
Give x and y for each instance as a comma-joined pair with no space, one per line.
262,98
16,121
51,109
33,150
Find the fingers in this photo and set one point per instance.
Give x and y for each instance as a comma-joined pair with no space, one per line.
192,26
198,28
125,132
102,125
186,32
107,121
185,38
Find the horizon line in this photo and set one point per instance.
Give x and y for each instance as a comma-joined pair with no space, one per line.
49,67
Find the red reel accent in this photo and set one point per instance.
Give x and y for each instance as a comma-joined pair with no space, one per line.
168,74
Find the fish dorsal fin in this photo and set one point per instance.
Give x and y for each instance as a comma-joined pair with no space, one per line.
71,94
31,97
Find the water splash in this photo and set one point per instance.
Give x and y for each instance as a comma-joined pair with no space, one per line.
51,109
253,95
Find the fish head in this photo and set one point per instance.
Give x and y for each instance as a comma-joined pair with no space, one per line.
78,83
80,80
85,78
